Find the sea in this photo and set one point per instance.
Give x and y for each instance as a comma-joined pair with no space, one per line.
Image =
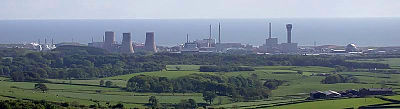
170,32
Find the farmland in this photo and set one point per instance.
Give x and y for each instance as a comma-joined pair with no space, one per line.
296,88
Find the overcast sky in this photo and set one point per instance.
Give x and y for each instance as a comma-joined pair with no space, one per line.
159,9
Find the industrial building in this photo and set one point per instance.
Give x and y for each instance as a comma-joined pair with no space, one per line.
109,41
150,44
272,46
126,43
127,46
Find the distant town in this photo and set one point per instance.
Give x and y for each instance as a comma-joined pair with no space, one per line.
210,45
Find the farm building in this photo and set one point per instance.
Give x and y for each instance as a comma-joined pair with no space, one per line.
324,94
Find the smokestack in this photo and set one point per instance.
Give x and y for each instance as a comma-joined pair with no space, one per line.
126,43
150,44
219,33
209,38
45,41
52,41
270,34
187,38
289,33
38,41
92,40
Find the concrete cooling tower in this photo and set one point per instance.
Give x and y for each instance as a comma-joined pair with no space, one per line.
126,43
150,44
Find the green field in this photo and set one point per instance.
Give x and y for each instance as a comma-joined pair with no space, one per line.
334,104
393,62
85,94
183,67
296,87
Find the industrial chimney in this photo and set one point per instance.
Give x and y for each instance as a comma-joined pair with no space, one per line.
269,32
126,43
289,33
150,45
219,33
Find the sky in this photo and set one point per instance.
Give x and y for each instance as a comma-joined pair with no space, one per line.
197,9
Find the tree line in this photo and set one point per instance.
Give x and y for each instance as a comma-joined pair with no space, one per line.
77,62
237,87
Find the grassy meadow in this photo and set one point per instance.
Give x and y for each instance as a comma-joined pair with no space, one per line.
296,88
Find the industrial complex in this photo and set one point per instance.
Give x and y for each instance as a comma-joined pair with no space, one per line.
211,45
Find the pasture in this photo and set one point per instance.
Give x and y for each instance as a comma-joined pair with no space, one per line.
296,87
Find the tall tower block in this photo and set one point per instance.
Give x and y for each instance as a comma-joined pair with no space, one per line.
109,40
289,33
126,43
150,44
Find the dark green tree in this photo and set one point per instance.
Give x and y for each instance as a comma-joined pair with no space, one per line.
109,84
153,102
42,87
209,96
101,82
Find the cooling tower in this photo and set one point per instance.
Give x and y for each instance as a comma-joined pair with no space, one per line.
150,45
126,43
109,40
289,33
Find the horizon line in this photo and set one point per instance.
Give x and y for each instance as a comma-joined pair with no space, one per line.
191,18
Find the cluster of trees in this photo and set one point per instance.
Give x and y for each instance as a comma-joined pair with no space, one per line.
42,87
237,87
62,63
106,84
187,104
42,104
337,78
79,62
211,68
273,83
20,104
261,60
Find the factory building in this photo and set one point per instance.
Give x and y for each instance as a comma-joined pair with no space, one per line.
150,44
190,47
289,47
351,48
271,44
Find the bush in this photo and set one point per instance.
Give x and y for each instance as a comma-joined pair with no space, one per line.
337,78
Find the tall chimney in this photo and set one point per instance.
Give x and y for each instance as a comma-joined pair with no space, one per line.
289,33
150,44
270,34
126,43
187,38
209,38
219,33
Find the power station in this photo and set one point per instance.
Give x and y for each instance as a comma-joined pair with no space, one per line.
272,46
207,45
127,45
